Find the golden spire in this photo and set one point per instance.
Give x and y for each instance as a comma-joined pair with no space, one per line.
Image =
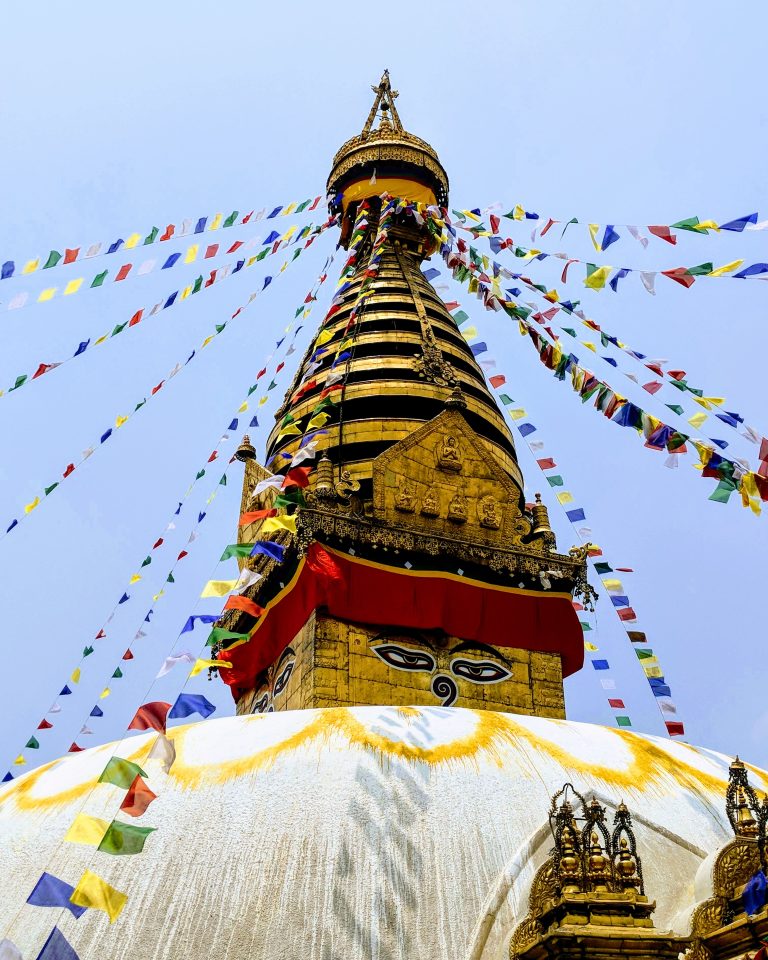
385,101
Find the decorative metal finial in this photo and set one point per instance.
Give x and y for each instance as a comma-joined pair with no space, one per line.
741,802
627,867
245,451
384,102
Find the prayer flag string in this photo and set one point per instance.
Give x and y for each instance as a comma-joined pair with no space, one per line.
189,227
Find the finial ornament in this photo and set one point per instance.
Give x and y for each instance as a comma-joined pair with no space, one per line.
245,451
385,102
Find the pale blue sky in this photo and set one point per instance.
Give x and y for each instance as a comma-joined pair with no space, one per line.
118,120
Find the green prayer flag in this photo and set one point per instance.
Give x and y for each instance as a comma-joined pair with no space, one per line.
124,838
645,653
264,252
302,206
198,285
146,562
570,330
460,317
253,389
585,626
623,722
53,258
219,635
591,267
119,329
220,327
237,550
32,743
675,408
602,568
201,473
52,487
121,772
505,399
19,381
139,405
87,651
223,481
117,674
300,310
272,385
99,279
723,491
169,578
701,270
297,253
556,481
230,221
151,236
690,223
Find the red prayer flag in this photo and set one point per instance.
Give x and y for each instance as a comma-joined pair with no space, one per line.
211,280
238,602
212,250
71,255
182,555
70,469
317,200
680,275
675,728
677,374
75,749
625,569
123,272
100,635
616,704
151,716
261,373
137,799
663,233
128,655
44,725
297,477
546,463
550,223
235,246
498,381
495,221
451,305
169,230
155,389
253,515
627,613
247,217
136,318
157,543
653,386
213,456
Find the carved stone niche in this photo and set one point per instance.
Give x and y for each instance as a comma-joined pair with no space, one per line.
444,481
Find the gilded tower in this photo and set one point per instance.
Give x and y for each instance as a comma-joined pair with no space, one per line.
416,574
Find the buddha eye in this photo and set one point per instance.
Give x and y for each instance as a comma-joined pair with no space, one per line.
261,704
402,658
282,681
479,671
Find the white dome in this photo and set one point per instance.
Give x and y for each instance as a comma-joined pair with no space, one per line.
368,832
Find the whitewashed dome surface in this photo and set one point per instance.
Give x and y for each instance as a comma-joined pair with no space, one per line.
370,832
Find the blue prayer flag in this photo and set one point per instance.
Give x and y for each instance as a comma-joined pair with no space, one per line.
610,360
7,777
171,300
478,348
82,347
97,712
600,664
273,550
754,894
51,892
575,515
200,225
189,703
233,425
273,214
106,435
431,273
239,266
13,523
254,422
65,691
170,261
7,270
114,247
751,271
526,428
609,236
613,283
738,225
267,281
124,598
619,601
57,947
272,237
201,517
202,617
659,687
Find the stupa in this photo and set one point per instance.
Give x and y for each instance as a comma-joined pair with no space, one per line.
400,781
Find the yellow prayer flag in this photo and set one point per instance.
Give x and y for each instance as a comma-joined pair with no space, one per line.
593,228
217,588
132,241
279,523
473,216
552,295
31,266
727,268
518,213
75,678
243,407
612,584
289,209
318,421
200,665
288,234
19,761
323,337
73,286
191,254
135,578
590,646
589,346
216,222
469,333
206,341
87,830
186,292
120,421
48,294
518,414
704,225
101,340
263,401
596,280
565,497
697,420
104,693
31,506
250,262
96,893
158,595
291,429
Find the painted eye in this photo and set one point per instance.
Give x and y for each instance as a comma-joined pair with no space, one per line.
261,704
480,671
282,681
404,659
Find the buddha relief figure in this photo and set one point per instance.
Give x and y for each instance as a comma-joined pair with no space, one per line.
405,500
430,505
490,513
450,455
457,508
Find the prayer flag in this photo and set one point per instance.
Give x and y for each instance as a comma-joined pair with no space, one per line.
281,522
9,951
120,772
237,601
49,891
218,588
188,703
94,892
274,551
57,947
137,799
150,716
87,830
202,664
163,751
124,838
